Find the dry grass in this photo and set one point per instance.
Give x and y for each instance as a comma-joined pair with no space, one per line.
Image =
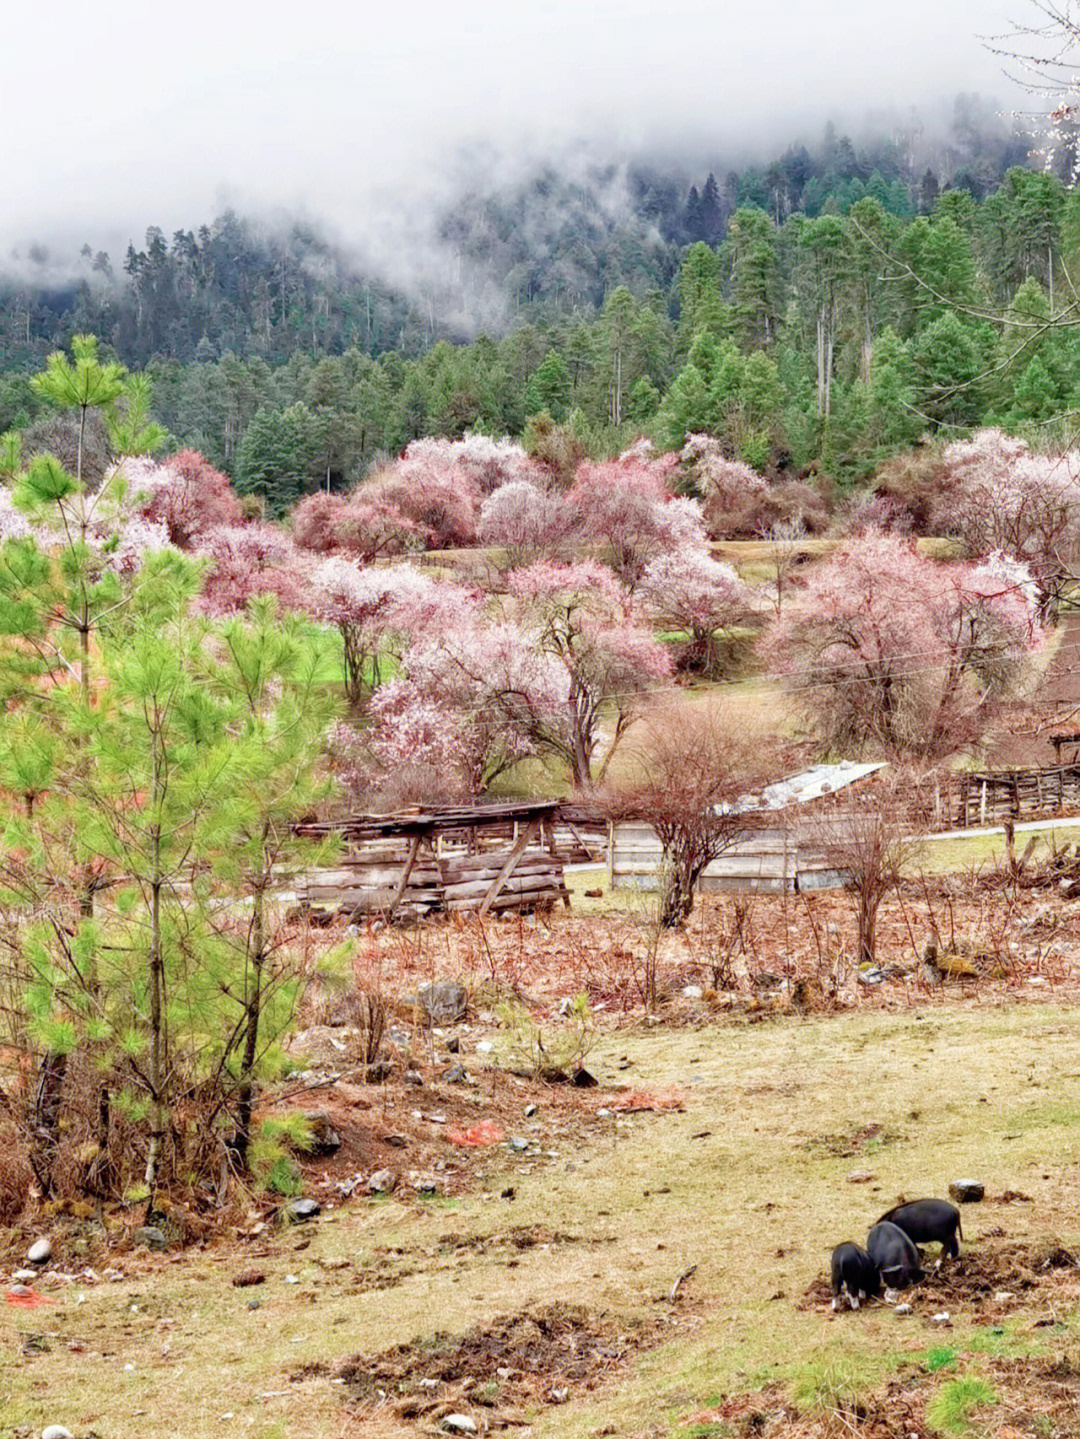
749,1184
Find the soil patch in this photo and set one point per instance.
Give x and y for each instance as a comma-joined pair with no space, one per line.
988,1283
1032,1399
515,1239
545,1354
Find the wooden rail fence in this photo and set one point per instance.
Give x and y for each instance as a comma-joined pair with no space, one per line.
998,795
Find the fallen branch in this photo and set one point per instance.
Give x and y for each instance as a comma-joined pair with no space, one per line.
680,1281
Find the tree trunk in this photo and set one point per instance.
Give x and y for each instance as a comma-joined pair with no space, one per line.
677,903
47,1118
157,1028
251,1032
867,920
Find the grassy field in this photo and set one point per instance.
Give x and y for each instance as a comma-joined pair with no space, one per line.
750,1184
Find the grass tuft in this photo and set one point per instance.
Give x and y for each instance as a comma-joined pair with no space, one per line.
951,1409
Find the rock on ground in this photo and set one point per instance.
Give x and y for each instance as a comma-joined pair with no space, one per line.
966,1191
444,1002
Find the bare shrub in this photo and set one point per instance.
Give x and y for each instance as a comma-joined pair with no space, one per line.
872,842
693,766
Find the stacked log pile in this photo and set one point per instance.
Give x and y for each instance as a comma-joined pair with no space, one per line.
377,880
536,882
405,866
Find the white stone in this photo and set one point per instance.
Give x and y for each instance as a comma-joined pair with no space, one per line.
40,1252
1003,1296
484,1046
902,1309
291,1279
943,1318
56,1431
692,991
459,1424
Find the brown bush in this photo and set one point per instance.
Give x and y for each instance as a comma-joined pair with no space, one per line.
780,503
15,1174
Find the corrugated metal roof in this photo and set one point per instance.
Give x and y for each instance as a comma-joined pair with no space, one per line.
810,784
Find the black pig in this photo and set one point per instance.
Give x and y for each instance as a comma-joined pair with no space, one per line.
895,1255
929,1221
855,1274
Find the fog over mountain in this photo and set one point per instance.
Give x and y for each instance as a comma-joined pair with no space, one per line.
368,119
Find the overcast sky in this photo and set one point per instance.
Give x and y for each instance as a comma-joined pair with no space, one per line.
119,116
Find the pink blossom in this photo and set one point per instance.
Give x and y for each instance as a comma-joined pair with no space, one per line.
525,521
360,523
488,463
688,590
626,508
378,609
252,559
889,646
124,548
999,495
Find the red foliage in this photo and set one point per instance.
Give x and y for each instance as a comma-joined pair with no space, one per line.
252,559
188,496
361,524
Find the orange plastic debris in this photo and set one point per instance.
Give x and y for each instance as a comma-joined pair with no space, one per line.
486,1132
26,1298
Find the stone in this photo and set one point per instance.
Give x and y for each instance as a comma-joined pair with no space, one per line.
396,1141
458,1424
443,1002
453,1044
1002,1296
379,1072
24,1276
299,1210
519,1145
902,1309
484,1046
40,1252
530,1110
966,1191
944,1319
861,1176
325,1139
692,991
253,1304
383,1181
151,1237
56,1431
413,1076
455,1074
582,1079
292,1279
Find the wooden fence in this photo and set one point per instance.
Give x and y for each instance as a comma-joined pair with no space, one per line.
770,862
998,795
